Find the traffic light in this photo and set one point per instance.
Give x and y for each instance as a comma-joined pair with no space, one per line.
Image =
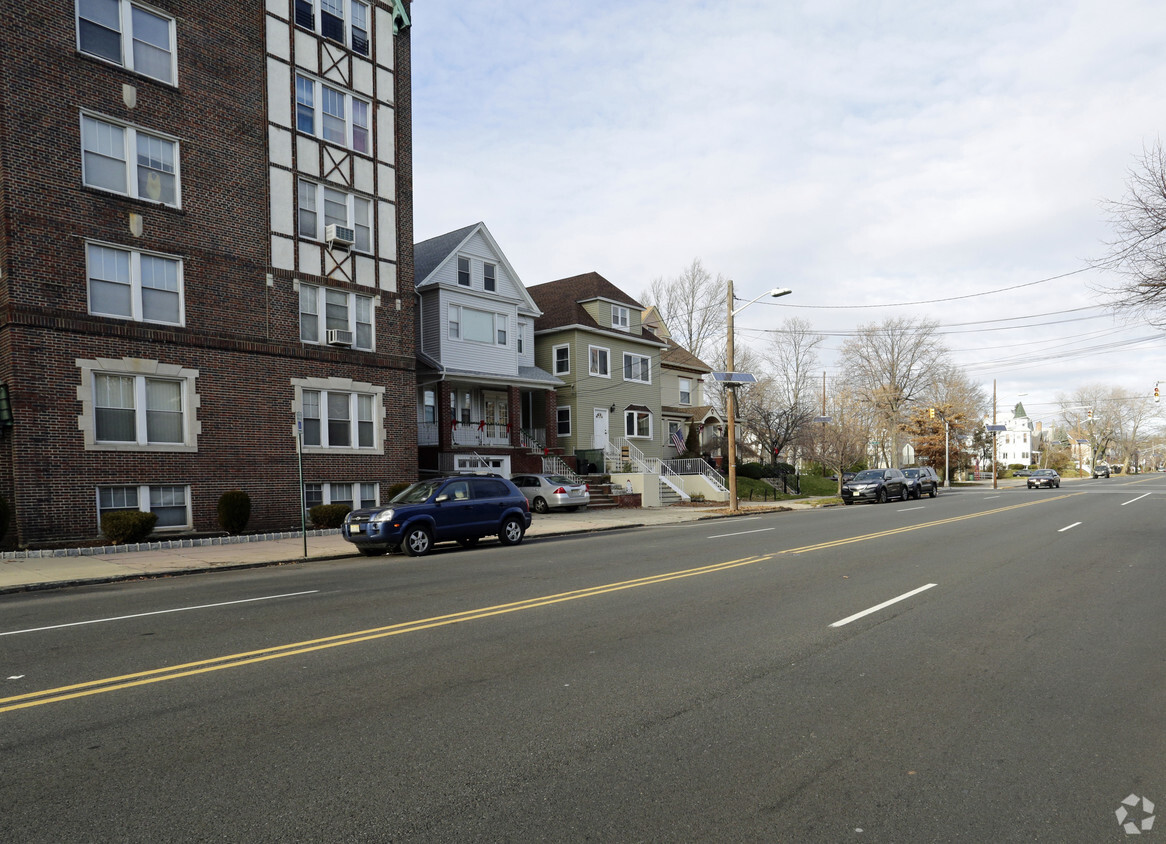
1156,393
931,412
1090,412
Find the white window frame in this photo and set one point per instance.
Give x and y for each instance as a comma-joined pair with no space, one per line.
317,23
634,416
327,493
319,293
354,390
134,282
317,107
621,318
566,370
143,503
143,369
489,277
680,384
591,361
559,420
646,363
129,159
310,199
467,273
126,38
499,326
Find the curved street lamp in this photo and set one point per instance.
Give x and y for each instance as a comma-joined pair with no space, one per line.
731,396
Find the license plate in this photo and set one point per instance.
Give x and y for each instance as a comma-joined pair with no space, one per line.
354,528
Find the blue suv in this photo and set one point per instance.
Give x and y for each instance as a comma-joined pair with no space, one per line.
463,508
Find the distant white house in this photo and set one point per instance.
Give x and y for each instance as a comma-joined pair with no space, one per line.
1014,444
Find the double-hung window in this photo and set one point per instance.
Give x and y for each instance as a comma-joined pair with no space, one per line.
489,279
332,114
134,285
136,409
355,495
620,318
345,21
685,390
171,504
339,207
637,368
563,415
124,159
598,362
562,360
340,309
336,419
128,34
637,423
463,271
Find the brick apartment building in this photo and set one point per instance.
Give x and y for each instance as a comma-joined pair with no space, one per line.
206,230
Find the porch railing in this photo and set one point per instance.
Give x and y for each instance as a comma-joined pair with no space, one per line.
621,451
554,465
476,433
697,466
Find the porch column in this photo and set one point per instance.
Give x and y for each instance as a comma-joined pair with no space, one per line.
552,415
514,414
444,432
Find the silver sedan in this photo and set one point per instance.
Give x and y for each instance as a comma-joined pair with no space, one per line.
547,492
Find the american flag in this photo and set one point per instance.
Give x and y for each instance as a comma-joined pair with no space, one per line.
678,441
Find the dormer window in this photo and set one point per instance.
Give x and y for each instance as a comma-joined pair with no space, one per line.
620,318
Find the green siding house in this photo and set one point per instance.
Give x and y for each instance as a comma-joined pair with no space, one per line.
591,337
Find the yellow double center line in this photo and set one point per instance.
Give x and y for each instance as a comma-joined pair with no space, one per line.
190,669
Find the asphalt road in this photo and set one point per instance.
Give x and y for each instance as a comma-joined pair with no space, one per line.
750,679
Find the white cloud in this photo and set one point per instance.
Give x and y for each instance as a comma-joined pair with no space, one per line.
861,153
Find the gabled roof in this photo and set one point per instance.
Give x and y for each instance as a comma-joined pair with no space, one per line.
562,304
681,358
430,255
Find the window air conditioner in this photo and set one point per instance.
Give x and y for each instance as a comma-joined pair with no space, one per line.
339,337
339,237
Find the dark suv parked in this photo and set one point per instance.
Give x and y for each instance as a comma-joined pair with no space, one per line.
463,508
877,485
921,480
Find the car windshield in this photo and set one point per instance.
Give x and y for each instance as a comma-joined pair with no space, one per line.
911,473
559,479
869,475
1044,472
417,493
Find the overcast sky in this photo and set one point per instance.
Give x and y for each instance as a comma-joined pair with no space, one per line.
865,154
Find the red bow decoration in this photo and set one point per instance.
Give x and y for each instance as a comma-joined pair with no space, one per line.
482,425
452,423
508,427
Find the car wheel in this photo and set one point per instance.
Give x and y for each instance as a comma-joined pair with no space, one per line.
468,541
881,496
932,492
1058,484
372,552
512,532
918,493
417,541
539,505
906,496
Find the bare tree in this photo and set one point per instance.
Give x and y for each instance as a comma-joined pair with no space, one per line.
1138,250
841,442
1090,414
777,410
692,305
891,366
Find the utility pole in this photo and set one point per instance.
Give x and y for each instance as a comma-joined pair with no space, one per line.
994,486
731,407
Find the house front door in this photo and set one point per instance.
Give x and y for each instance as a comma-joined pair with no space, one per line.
599,432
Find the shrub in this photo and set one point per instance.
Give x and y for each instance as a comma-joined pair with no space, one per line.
234,510
125,526
754,471
5,515
327,516
396,489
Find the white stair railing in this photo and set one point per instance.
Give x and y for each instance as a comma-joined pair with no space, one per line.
554,465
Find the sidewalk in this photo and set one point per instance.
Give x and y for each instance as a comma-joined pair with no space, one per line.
33,573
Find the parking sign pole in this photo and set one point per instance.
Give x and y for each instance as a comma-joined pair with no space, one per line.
300,463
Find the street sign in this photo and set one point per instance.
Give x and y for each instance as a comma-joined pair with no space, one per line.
995,429
823,419
730,378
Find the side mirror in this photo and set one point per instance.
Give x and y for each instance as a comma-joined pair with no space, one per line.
443,497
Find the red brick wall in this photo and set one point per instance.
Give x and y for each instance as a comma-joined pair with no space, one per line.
241,334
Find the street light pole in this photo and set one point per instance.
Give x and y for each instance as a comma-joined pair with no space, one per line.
731,396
